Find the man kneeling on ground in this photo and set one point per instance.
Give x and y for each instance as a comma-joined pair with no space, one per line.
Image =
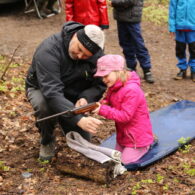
61,78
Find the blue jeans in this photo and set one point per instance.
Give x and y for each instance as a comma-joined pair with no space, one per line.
184,39
132,42
46,127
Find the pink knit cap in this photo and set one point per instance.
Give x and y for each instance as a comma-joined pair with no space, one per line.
109,63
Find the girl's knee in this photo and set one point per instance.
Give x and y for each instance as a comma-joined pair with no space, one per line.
130,155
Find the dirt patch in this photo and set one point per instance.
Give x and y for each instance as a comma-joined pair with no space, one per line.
19,144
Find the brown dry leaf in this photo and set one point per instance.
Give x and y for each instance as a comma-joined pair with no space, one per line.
25,118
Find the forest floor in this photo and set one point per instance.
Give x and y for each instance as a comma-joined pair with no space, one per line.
19,145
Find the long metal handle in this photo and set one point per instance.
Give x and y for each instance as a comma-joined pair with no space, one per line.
78,110
52,116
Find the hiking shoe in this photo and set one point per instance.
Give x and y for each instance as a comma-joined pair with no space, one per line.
148,77
193,76
47,151
181,75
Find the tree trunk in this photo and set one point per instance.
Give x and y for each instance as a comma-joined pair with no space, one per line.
76,164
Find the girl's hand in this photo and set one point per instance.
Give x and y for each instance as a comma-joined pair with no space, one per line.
96,111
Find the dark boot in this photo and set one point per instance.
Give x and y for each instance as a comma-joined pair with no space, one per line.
181,75
193,76
148,77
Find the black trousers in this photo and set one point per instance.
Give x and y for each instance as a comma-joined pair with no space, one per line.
183,62
132,43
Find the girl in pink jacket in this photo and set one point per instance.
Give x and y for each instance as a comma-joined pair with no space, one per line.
126,105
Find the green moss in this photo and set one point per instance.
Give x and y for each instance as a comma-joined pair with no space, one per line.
156,11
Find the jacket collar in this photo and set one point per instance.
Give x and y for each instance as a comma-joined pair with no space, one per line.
118,84
133,78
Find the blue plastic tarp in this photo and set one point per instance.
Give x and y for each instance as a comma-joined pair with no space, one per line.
170,124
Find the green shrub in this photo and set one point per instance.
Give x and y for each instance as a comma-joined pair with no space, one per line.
156,11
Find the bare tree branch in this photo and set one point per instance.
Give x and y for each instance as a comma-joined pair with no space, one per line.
8,65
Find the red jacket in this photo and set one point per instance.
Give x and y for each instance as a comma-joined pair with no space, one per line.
87,12
128,108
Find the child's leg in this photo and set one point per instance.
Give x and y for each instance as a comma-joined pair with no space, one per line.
127,44
181,50
142,53
192,56
191,40
131,155
181,55
192,60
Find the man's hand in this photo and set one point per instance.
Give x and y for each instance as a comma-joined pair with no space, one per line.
81,102
89,124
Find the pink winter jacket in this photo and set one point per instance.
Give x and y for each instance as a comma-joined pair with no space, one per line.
128,108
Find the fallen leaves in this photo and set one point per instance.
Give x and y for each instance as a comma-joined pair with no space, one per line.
19,148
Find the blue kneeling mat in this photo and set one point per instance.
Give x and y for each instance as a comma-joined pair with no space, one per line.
170,124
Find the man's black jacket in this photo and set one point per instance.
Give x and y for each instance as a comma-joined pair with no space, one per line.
62,80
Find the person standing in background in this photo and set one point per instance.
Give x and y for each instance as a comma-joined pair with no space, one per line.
87,12
182,26
128,14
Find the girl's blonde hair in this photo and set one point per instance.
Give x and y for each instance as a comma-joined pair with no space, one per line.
122,75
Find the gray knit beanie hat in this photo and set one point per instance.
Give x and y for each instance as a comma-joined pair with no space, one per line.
95,34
